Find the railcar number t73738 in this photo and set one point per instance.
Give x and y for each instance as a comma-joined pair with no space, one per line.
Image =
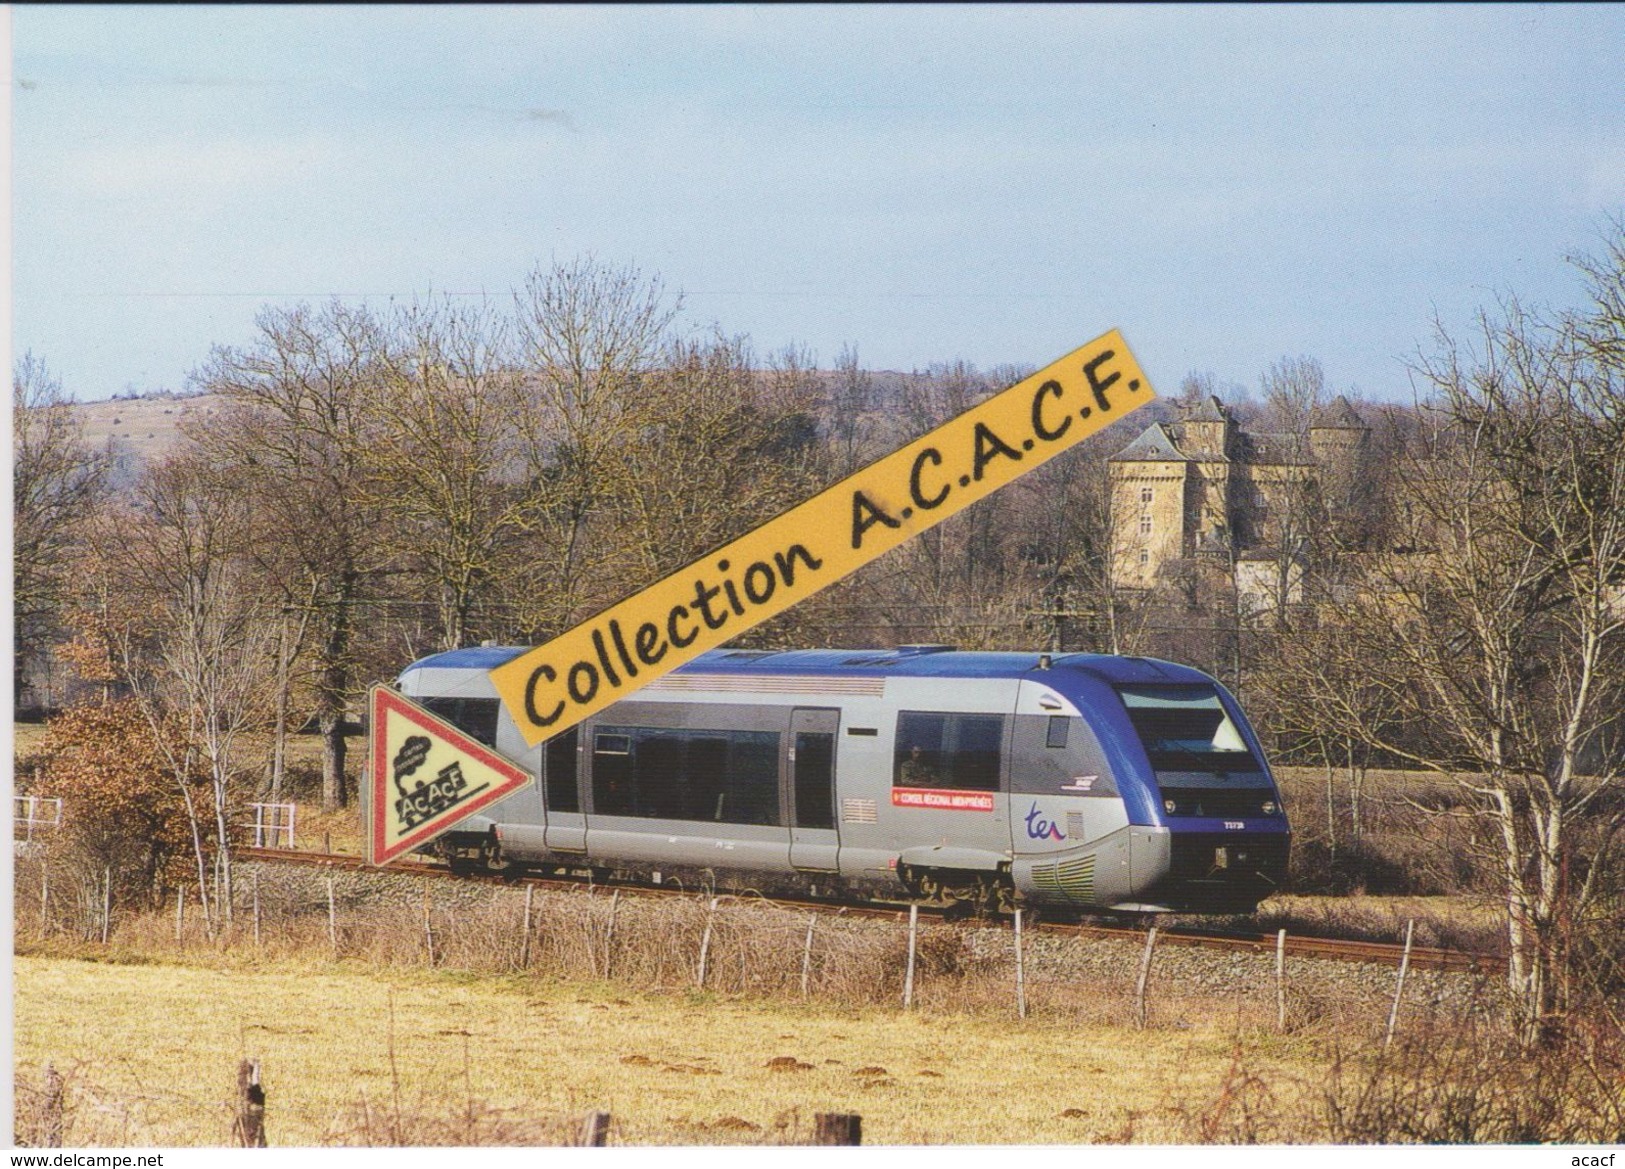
1075,780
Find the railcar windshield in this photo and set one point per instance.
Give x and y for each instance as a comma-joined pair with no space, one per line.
1186,728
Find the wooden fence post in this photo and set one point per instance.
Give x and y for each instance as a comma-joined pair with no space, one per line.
1280,980
44,898
250,1106
332,919
51,1109
595,1130
908,977
609,934
1021,974
806,953
107,903
1399,987
1145,974
837,1128
524,937
428,925
705,941
180,912
256,908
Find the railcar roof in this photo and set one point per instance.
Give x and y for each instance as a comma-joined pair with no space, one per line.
905,661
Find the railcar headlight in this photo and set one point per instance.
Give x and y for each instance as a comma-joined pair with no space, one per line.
1269,808
1170,806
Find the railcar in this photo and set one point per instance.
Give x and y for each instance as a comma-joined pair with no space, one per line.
1081,781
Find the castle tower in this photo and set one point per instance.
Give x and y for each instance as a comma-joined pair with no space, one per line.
1149,507
1337,433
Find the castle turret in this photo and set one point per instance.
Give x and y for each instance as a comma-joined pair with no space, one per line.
1337,432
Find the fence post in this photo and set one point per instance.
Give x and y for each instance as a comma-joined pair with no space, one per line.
837,1128
908,977
256,908
332,919
1280,980
1021,974
250,1106
51,1109
595,1130
44,898
705,941
1399,987
107,902
524,937
806,953
428,925
180,912
1145,974
609,934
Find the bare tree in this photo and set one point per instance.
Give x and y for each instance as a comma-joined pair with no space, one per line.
298,416
1294,390
56,483
1499,645
188,629
588,334
445,466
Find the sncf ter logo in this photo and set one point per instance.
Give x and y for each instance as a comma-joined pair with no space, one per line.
1038,828
952,801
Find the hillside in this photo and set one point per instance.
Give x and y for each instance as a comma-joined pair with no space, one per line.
138,430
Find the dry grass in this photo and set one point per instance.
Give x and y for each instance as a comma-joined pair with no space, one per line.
152,1051
26,738
1460,922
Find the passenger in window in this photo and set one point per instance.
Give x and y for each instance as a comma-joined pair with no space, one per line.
916,772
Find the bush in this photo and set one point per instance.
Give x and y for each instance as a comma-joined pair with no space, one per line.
123,812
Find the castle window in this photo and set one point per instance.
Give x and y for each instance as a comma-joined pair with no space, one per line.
1145,556
1147,494
1145,525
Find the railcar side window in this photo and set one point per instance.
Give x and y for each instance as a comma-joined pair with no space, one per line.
1056,754
475,717
562,793
815,775
662,773
957,751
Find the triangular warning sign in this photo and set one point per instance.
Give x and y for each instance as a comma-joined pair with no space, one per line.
424,776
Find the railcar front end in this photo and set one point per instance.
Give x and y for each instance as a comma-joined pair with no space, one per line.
1149,794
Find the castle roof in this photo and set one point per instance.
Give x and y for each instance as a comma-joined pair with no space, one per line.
1338,415
1210,410
1153,446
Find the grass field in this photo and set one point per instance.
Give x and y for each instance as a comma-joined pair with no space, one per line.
443,1058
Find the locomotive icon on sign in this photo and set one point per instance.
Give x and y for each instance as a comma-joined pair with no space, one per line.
428,797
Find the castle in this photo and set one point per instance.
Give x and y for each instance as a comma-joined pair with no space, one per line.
1203,491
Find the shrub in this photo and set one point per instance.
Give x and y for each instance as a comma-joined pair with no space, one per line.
123,812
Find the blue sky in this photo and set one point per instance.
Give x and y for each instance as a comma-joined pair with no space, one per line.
998,184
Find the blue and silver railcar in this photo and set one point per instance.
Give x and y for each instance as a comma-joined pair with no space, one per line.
1077,780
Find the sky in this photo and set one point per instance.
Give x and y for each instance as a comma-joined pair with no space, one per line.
994,184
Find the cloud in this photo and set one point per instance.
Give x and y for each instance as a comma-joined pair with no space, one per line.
556,117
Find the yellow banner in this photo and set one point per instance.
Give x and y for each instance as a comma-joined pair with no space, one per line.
796,553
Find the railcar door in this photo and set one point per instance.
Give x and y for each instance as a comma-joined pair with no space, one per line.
566,826
810,765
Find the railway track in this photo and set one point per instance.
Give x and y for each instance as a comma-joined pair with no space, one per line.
1329,949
